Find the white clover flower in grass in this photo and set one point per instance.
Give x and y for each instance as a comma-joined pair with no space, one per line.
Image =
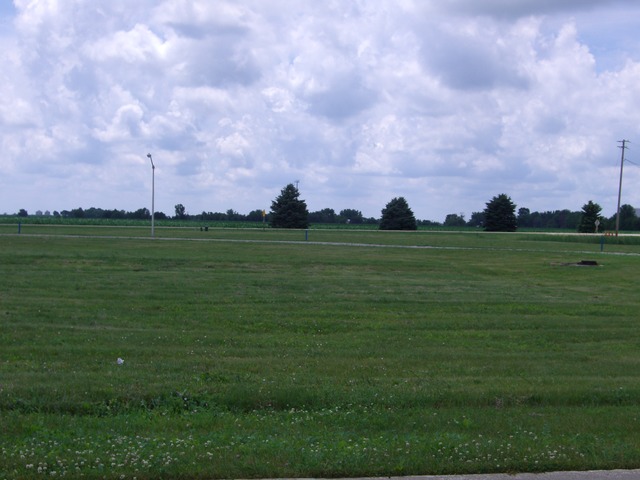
120,361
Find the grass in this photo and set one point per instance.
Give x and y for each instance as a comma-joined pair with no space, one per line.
251,353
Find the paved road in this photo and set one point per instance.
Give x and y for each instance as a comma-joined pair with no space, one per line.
592,475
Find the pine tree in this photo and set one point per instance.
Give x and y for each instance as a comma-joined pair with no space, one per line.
398,216
590,213
288,211
500,216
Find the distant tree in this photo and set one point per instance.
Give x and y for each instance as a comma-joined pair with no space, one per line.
455,220
181,212
563,219
590,213
428,223
398,216
77,213
118,214
524,217
160,215
140,214
326,215
93,212
288,210
254,216
628,218
608,224
476,220
211,216
234,216
351,215
499,216
23,213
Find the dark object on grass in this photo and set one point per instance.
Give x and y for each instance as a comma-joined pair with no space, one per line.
581,263
588,263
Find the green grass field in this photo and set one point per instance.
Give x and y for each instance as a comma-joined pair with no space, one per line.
265,353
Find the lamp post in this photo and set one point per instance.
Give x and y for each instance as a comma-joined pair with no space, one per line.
153,193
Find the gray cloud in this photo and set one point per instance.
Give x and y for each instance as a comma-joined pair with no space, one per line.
472,61
345,97
522,8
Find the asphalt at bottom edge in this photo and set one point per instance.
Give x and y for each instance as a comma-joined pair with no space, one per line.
586,475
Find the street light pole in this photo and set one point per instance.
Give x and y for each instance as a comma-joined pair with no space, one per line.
153,194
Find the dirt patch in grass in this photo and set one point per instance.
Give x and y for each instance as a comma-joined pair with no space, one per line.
581,263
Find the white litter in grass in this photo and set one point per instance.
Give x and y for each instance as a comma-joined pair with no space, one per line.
119,361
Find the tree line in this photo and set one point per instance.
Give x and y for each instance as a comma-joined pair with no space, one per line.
500,215
289,211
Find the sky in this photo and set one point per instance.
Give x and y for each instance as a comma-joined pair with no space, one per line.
446,103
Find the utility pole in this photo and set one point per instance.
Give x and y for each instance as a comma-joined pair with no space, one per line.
623,148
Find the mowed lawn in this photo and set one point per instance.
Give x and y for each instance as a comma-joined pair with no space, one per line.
261,354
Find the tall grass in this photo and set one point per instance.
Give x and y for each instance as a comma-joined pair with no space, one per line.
261,354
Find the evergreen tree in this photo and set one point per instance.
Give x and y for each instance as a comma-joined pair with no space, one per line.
398,216
288,211
590,213
500,216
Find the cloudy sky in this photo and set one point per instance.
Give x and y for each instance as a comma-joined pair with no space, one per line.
444,102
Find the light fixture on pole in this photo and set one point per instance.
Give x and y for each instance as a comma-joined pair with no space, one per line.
153,193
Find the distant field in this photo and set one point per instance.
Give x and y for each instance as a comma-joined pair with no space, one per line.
269,353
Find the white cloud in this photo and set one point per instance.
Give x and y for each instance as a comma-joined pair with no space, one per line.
136,46
447,103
